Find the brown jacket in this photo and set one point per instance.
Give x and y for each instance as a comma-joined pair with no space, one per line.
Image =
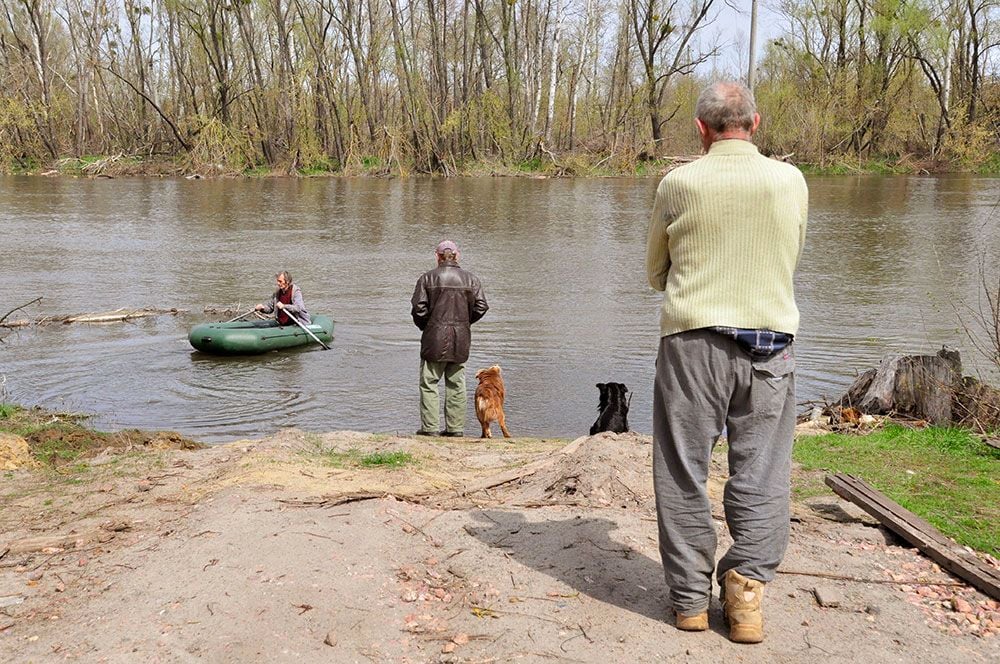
446,302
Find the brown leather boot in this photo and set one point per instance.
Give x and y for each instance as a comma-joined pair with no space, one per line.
692,622
741,598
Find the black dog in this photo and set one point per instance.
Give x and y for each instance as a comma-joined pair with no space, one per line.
613,408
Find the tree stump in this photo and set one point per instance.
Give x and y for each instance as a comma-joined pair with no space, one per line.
921,386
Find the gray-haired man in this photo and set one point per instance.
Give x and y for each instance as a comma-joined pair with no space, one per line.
725,238
286,301
446,302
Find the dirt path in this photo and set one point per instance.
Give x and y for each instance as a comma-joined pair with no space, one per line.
240,553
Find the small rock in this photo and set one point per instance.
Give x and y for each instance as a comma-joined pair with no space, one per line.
10,600
331,638
409,596
960,605
82,562
448,647
144,486
461,639
873,609
115,526
407,528
827,597
35,575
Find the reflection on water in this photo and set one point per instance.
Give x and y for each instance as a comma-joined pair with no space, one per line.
888,261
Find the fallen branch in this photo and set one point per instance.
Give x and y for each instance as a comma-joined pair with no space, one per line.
342,499
116,316
841,577
26,304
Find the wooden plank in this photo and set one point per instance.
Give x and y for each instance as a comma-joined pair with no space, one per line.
873,495
923,529
917,532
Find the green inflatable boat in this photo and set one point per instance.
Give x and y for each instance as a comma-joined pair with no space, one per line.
257,336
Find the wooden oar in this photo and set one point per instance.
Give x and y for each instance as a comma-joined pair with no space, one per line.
233,320
303,326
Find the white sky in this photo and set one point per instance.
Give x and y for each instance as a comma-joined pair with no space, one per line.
733,31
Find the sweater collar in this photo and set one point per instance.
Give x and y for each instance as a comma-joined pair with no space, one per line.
732,146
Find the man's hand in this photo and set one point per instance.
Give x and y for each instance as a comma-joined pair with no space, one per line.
279,305
259,307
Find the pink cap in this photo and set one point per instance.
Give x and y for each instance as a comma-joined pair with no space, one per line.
447,245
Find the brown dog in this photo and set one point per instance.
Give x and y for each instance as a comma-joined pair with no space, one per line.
489,400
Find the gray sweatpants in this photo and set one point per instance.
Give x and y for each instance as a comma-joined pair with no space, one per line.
705,381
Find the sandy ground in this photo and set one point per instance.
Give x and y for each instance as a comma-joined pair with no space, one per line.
285,549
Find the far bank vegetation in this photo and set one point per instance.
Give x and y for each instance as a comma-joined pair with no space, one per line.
482,86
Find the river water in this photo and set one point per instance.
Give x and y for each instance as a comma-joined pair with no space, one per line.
890,264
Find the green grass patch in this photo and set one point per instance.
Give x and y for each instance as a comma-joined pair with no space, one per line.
320,167
845,165
259,171
991,166
532,165
24,166
947,476
59,439
387,459
355,458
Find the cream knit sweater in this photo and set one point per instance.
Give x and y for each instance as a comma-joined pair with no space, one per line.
726,235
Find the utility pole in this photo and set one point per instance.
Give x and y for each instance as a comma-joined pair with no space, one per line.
751,70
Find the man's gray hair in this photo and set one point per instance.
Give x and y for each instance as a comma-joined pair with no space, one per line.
284,274
725,106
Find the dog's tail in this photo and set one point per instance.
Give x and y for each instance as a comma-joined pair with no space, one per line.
629,402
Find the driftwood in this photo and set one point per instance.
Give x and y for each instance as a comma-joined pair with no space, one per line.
19,307
116,316
917,532
921,386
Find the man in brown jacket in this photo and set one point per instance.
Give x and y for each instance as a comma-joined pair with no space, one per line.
446,302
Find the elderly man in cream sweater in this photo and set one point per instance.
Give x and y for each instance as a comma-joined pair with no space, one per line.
726,235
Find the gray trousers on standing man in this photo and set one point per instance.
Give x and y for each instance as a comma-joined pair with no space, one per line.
704,382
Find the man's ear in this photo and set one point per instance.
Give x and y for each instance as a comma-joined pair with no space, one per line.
756,123
702,127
